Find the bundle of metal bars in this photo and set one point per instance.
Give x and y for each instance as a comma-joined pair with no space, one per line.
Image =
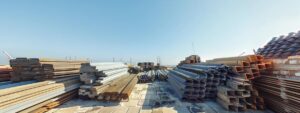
115,90
43,69
161,75
191,60
101,73
245,69
106,81
5,73
282,46
187,85
280,86
216,75
146,77
16,99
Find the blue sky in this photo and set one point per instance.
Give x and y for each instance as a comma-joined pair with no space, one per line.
142,29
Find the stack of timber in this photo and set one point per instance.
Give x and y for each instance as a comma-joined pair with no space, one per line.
246,69
191,60
5,73
188,86
106,81
30,97
43,69
215,76
282,46
280,87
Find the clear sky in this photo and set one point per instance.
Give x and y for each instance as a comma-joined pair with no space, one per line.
142,29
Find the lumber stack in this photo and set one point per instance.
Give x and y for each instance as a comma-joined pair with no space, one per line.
188,86
191,60
5,73
215,76
43,69
282,46
16,99
280,87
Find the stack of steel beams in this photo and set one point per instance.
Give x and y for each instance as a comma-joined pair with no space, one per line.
161,75
191,60
246,69
18,98
5,73
188,86
146,77
280,87
282,47
43,69
106,81
215,76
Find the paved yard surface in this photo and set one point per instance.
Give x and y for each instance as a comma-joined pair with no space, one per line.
154,97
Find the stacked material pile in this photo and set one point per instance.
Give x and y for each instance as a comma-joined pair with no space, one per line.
187,85
245,69
150,76
282,47
146,77
161,75
280,87
43,69
215,76
32,96
191,60
5,73
106,81
146,66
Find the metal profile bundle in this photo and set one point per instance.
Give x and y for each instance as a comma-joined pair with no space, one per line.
5,73
161,75
187,85
22,97
150,76
245,69
43,69
101,73
191,60
282,46
215,75
280,87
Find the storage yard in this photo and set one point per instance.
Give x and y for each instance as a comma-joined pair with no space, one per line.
264,82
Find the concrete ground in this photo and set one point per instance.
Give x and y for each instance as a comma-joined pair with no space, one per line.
154,97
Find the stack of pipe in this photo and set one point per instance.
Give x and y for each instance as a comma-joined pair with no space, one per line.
245,69
30,96
5,73
188,86
280,87
191,60
43,69
282,46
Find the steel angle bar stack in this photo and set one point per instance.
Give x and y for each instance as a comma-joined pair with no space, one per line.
106,81
191,60
43,69
215,76
282,46
5,73
146,77
280,87
18,98
161,75
187,85
245,69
